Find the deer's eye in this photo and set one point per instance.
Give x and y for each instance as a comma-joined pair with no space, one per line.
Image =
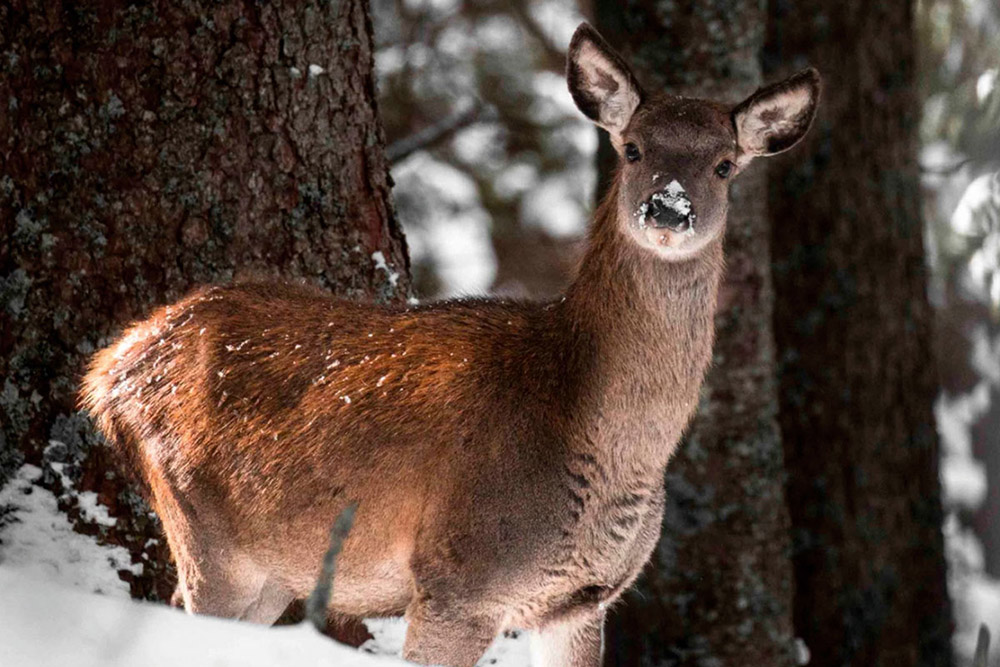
724,168
632,152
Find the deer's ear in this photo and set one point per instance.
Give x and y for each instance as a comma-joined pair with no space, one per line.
775,118
602,85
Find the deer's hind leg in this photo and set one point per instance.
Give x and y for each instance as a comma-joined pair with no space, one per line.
214,576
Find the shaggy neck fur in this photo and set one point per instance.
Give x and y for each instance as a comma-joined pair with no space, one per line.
648,325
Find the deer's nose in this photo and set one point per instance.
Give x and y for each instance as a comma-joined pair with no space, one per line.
665,216
671,209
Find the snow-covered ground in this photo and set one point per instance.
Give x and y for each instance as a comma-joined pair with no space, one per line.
44,624
38,541
63,603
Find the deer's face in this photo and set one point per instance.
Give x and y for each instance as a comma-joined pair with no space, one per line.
677,159
677,156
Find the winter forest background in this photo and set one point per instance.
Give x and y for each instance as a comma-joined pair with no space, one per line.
140,155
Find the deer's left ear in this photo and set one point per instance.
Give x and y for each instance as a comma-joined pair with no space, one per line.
602,85
775,118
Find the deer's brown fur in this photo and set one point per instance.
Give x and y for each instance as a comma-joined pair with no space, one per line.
507,457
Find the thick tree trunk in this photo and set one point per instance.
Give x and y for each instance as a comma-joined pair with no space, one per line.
718,589
148,147
853,331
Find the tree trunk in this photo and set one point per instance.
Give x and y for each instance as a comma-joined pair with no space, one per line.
853,330
149,147
718,589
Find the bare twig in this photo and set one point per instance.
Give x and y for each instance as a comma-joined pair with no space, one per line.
319,599
555,58
467,114
982,647
950,170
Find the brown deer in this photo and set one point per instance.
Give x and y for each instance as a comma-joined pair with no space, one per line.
507,458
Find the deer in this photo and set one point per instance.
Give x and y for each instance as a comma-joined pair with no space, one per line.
506,457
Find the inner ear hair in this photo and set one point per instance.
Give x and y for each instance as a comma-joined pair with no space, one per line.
775,118
601,84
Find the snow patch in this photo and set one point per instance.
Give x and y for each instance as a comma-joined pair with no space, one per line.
44,625
94,511
456,238
802,653
553,206
39,541
510,649
674,197
380,264
985,84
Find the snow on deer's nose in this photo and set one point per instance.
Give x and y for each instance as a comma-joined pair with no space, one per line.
669,208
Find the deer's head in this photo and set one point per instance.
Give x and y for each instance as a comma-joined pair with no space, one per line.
678,155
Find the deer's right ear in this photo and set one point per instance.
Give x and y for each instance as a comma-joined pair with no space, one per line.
601,84
775,118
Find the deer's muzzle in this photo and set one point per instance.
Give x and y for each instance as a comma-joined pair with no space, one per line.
669,208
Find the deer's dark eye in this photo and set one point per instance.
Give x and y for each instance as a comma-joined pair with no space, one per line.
632,152
724,169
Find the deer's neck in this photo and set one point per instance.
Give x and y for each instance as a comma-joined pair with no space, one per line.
645,327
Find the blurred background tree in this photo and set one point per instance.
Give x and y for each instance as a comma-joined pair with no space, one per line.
959,61
501,202
854,333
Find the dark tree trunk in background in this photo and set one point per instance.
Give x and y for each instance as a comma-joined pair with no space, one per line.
148,147
853,330
719,588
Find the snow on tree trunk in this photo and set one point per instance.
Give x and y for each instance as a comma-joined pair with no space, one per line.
719,588
147,148
853,328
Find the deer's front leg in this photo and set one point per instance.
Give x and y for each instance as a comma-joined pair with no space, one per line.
574,642
451,637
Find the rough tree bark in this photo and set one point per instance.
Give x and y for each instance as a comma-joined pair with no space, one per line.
718,589
853,330
148,147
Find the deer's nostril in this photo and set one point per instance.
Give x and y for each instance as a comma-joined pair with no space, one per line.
670,208
655,209
672,220
664,216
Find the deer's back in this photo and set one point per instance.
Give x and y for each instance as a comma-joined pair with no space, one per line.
273,405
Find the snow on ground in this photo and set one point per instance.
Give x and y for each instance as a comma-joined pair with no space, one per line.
43,624
62,602
511,650
37,540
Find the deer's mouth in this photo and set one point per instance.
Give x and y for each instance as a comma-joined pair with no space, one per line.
669,208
